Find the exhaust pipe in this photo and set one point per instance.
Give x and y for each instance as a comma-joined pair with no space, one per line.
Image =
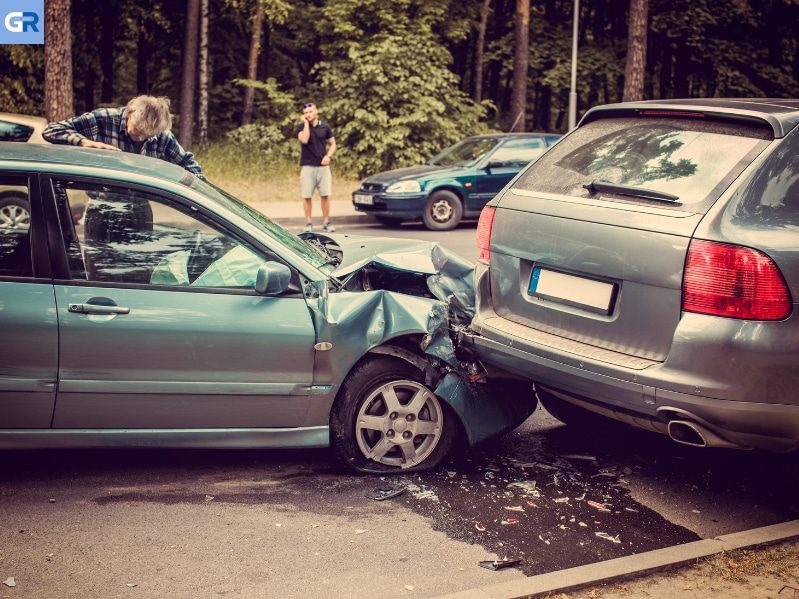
696,435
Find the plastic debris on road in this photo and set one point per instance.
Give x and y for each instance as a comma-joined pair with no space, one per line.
386,492
10,582
608,537
499,564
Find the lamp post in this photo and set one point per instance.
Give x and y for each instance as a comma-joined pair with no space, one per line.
573,89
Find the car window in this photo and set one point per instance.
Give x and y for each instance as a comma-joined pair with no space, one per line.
518,152
14,132
15,247
130,236
465,153
690,158
771,196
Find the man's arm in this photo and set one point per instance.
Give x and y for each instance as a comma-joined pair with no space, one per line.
331,149
72,131
305,133
174,153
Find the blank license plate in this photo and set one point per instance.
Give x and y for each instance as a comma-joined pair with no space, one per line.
588,293
360,198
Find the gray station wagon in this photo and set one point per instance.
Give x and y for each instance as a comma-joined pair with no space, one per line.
646,269
173,315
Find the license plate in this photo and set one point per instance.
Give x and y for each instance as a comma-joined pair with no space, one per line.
593,295
360,198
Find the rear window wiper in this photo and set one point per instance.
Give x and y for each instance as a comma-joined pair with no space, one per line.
629,190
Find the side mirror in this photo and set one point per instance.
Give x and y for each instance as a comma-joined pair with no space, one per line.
272,279
494,164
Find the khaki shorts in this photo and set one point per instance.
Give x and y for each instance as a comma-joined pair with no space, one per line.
315,177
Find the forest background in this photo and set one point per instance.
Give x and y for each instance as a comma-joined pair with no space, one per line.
398,80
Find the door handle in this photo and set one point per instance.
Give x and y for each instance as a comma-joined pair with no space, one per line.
97,309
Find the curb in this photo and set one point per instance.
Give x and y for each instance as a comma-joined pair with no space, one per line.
631,566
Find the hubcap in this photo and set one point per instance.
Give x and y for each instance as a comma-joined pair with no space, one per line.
14,217
441,211
399,424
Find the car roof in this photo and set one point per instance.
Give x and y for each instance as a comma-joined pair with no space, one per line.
23,119
779,113
512,135
64,158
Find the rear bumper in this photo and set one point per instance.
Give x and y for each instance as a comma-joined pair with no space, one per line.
773,427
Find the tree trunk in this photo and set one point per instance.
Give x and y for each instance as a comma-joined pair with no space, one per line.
252,65
203,110
635,68
521,58
479,51
58,61
142,58
91,67
108,19
188,77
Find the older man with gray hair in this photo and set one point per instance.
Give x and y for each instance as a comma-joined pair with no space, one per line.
141,127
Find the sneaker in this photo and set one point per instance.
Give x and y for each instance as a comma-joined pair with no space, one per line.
308,227
328,227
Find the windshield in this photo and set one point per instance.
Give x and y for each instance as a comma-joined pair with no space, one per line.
294,243
692,159
465,153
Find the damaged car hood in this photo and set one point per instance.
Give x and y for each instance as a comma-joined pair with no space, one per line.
408,255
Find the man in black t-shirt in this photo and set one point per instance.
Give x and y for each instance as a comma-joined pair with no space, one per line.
317,146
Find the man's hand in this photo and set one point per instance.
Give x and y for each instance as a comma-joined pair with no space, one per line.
325,160
98,145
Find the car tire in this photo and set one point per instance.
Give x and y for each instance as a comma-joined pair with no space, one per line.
14,212
570,414
442,211
370,436
389,221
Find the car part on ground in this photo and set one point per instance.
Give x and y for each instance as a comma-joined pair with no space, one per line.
645,269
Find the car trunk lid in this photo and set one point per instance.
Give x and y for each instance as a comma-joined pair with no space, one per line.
590,243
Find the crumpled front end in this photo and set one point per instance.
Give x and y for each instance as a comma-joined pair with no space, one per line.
410,299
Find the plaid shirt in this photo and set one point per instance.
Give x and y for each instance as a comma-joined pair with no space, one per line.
107,125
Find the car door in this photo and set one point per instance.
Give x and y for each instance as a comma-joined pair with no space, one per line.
28,325
159,325
505,163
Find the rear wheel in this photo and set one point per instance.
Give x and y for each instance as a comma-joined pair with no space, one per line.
442,211
14,212
385,419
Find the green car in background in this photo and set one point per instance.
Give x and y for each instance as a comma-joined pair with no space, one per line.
173,315
456,183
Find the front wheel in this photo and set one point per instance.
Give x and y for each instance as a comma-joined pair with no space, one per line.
385,419
442,211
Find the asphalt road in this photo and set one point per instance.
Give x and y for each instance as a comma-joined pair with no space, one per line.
154,523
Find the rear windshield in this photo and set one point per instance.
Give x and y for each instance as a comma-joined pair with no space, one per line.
694,160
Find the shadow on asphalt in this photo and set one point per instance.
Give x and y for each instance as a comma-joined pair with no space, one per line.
548,495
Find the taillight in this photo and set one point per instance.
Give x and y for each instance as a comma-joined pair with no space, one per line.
484,234
733,281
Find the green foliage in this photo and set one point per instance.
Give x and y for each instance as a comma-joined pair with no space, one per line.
21,88
387,112
384,76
